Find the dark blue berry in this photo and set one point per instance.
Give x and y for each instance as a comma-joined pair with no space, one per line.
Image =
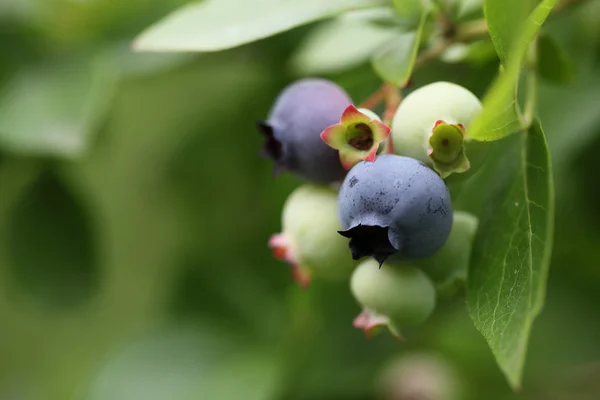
394,209
294,125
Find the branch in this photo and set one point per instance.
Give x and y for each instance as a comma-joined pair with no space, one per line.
433,52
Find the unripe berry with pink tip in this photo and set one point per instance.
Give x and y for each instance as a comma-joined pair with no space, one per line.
309,241
393,296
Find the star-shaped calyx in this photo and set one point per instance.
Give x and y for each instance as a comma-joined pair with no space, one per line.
272,147
447,148
356,137
372,323
282,250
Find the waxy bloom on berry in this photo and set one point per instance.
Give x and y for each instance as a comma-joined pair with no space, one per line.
294,125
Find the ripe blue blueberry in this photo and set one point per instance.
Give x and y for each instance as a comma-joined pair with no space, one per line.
394,209
294,125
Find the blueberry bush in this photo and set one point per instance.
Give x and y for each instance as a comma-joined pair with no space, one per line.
315,199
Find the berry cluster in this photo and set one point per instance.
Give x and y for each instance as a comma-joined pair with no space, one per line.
390,226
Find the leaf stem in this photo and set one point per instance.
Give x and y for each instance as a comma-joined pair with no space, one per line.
467,32
471,30
463,33
433,52
532,83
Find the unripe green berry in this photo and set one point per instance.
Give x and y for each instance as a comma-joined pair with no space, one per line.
369,113
309,241
449,266
410,10
394,295
432,123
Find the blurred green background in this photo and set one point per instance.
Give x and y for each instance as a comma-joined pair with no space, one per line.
135,211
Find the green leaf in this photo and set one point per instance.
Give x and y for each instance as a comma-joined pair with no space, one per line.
553,63
509,268
50,244
499,117
136,65
340,44
395,61
467,7
411,10
53,109
214,25
505,19
481,53
459,10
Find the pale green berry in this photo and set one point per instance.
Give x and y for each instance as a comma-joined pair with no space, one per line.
449,266
432,124
394,296
309,241
370,114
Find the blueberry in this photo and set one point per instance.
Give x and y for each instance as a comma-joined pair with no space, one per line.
394,209
397,296
294,125
432,124
448,267
308,241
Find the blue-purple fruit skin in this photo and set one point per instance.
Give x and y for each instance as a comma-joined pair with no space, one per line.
300,113
408,200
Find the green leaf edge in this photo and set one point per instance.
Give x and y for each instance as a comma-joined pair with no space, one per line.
418,33
144,42
535,132
496,95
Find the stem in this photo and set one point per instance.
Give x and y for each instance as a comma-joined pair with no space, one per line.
471,30
389,94
531,82
467,32
531,101
393,98
433,52
375,98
